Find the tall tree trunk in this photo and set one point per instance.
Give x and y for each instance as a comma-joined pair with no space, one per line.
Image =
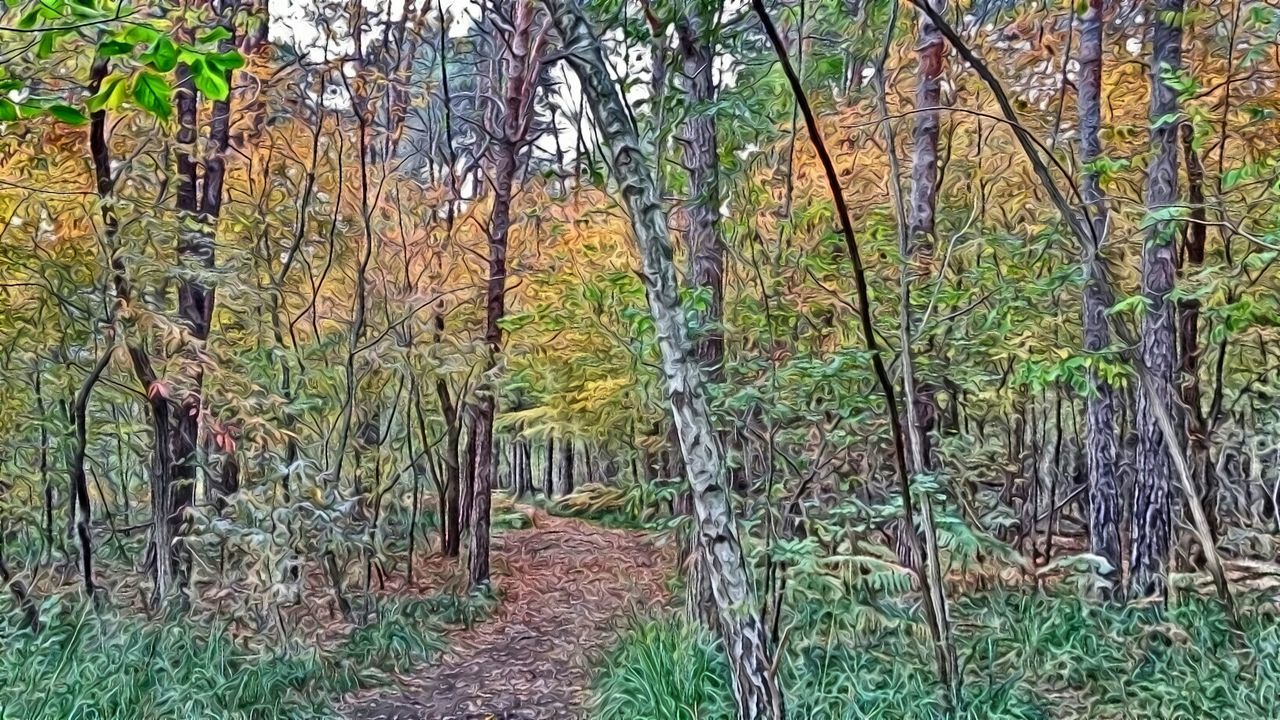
548,468
466,500
1100,414
705,246
1149,524
486,409
1197,432
450,523
45,480
922,221
917,247
750,656
912,458
199,206
564,479
702,209
481,492
519,68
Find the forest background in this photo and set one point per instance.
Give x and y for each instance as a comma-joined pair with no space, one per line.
935,338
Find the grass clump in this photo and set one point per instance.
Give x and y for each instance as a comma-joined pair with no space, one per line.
406,633
105,666
663,669
465,610
1025,656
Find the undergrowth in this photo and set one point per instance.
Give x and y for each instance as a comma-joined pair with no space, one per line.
1024,657
99,665
627,505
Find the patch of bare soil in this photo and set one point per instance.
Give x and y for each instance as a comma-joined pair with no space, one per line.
566,584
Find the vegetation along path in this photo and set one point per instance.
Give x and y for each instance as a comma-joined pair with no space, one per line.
566,585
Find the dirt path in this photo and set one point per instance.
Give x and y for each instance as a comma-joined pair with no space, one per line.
567,583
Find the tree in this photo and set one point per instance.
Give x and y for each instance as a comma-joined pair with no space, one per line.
1150,517
521,61
747,646
1100,423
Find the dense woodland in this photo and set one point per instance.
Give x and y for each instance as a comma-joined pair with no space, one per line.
932,344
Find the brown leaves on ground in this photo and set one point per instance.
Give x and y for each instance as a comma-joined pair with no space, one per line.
565,584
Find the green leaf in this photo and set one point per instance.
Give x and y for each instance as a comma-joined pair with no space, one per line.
45,49
163,55
209,80
109,96
226,61
114,48
141,34
67,114
152,93
28,21
8,111
215,35
1133,303
1165,214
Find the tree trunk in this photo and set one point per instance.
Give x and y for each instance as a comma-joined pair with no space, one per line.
1189,336
481,492
750,656
564,479
705,274
701,159
1150,524
519,68
466,500
548,468
45,481
451,521
199,207
917,248
1100,420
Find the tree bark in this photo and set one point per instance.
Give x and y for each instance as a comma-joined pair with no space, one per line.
548,468
564,478
917,247
1100,420
1150,522
756,690
1197,431
706,250
520,67
700,157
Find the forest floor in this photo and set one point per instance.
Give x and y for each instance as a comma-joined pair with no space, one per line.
566,584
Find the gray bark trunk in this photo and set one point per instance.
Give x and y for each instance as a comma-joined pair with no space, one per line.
699,149
1100,421
756,690
1150,524
705,246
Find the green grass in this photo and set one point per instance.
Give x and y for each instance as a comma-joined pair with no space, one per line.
662,669
102,666
1024,657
